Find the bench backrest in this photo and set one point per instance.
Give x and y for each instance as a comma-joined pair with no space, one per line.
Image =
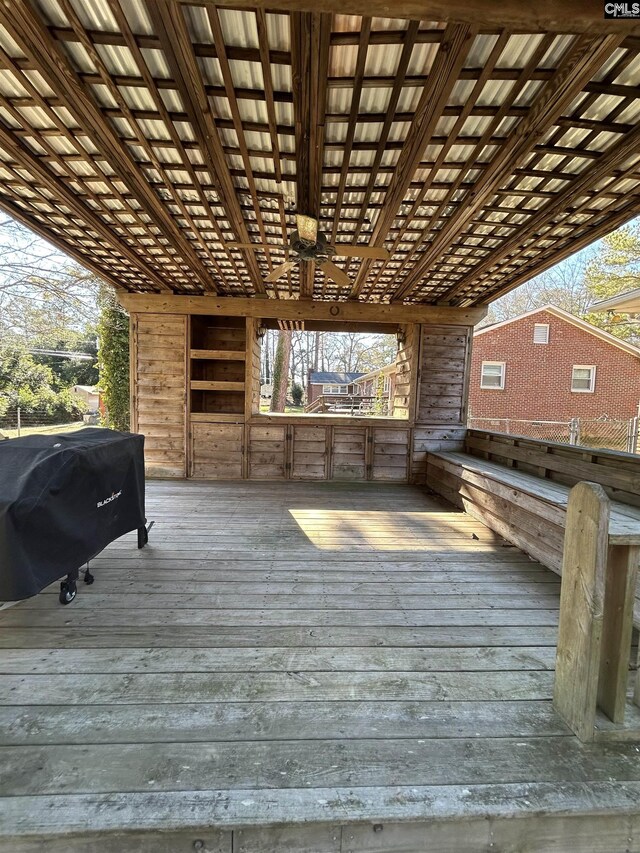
618,473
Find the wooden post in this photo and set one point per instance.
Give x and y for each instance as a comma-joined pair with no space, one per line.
582,596
620,590
636,690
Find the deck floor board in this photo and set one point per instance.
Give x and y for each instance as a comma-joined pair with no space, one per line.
286,654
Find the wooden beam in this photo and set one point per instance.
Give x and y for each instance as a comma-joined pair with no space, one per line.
444,156
609,222
410,36
170,23
587,55
299,309
449,60
309,70
561,205
194,183
33,225
572,16
28,30
29,161
347,146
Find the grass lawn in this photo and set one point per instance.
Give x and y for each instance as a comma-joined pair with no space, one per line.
44,430
288,410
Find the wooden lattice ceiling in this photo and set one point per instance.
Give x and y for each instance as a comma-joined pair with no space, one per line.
145,136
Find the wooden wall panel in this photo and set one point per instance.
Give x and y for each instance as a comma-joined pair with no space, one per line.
441,393
310,452
430,389
349,451
267,448
159,391
217,451
406,364
444,359
390,454
252,376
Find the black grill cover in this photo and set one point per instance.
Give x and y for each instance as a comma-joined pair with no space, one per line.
63,498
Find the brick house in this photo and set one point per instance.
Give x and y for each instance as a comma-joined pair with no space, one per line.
331,384
549,365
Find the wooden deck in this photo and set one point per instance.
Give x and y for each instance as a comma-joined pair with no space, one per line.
301,667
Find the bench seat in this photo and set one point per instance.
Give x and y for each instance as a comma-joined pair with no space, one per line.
526,510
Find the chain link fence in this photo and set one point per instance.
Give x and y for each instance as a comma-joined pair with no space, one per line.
604,433
16,422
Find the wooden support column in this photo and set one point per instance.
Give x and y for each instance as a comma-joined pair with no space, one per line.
620,589
596,615
584,562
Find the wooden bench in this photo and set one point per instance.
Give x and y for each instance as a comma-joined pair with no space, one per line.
529,508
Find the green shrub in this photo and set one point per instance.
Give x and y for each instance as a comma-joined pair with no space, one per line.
113,359
297,392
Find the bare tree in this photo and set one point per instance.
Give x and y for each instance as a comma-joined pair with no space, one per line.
41,290
564,285
281,372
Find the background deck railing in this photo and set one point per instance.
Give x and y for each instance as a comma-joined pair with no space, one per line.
348,404
605,433
618,472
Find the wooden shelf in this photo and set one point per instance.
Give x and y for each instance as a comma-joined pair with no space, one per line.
219,354
217,417
210,385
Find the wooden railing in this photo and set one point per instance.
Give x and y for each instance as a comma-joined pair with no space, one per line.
348,404
577,511
596,613
617,472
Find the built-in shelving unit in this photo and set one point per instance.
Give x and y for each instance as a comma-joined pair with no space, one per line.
217,357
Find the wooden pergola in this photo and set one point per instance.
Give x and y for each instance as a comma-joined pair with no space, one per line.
444,156
305,665
479,144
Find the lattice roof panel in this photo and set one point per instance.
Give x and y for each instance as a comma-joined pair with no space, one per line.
146,138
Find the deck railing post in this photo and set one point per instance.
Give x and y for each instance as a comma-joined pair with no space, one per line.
617,628
632,443
582,594
574,431
596,615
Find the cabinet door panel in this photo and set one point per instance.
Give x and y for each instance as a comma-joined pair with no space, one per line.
309,453
216,451
267,452
390,454
349,448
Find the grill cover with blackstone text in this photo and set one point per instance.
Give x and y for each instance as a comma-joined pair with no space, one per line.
63,498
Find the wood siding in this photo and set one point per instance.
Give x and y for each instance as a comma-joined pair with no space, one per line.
217,451
441,393
159,398
207,434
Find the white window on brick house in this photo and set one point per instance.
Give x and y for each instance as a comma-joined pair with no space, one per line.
334,389
541,333
492,376
583,378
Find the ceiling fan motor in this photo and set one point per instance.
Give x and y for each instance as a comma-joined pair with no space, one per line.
306,251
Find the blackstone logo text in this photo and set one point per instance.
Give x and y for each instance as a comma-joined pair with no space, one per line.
622,10
114,497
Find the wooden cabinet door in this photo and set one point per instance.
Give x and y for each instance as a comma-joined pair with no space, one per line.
216,451
309,453
349,451
267,452
390,454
